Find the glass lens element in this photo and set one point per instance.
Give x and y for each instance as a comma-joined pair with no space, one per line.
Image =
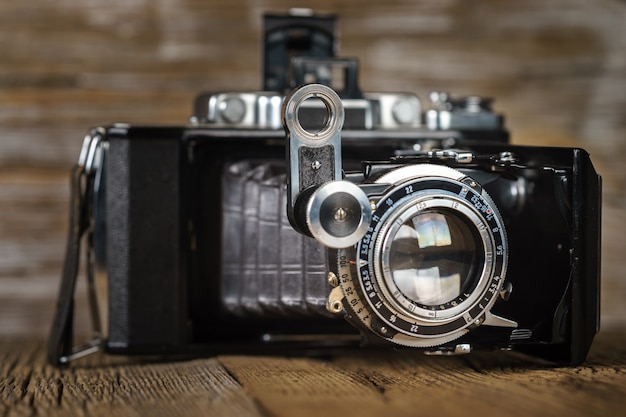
435,256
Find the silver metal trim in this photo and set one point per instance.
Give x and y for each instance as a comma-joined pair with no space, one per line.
262,110
315,223
333,104
89,163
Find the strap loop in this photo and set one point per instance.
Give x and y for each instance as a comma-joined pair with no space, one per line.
61,349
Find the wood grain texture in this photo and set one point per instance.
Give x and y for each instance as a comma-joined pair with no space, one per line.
362,382
106,386
369,383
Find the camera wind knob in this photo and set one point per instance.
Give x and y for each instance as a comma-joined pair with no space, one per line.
338,214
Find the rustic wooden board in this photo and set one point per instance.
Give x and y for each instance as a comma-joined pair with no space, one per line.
360,383
28,386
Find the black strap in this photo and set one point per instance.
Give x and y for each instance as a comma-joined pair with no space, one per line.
61,349
61,334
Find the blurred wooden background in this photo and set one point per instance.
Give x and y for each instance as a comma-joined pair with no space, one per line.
556,69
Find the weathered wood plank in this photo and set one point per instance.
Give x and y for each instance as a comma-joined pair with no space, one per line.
106,386
33,223
353,382
368,383
306,387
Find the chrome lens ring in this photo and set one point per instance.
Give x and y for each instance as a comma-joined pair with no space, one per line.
334,106
456,306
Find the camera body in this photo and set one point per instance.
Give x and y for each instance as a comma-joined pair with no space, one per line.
212,240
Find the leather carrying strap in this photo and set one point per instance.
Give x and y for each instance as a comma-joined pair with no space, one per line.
61,349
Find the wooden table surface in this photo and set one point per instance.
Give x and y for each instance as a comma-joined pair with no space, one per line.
352,383
557,70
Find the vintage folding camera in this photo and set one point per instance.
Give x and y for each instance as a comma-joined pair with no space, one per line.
312,215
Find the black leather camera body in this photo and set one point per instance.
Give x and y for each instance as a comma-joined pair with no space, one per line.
304,216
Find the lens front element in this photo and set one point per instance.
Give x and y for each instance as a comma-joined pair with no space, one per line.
433,257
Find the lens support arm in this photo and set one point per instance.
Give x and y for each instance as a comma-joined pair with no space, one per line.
319,202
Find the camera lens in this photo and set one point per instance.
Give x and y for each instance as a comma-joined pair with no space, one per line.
433,257
432,261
